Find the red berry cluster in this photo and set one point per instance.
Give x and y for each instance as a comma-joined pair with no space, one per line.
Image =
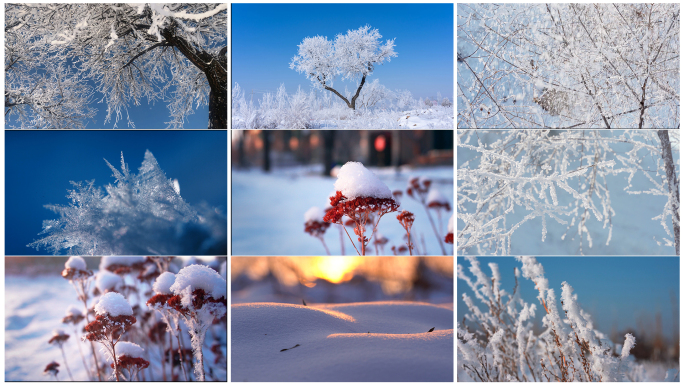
418,190
316,228
128,362
105,325
358,207
406,219
449,238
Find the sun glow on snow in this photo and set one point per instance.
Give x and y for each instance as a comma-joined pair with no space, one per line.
335,269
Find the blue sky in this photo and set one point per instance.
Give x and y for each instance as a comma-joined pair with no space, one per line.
40,164
618,292
265,37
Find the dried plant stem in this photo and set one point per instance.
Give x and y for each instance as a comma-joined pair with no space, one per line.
92,345
434,228
61,347
180,353
80,351
324,246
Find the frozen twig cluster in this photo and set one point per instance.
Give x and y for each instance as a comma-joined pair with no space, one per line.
561,176
498,343
568,65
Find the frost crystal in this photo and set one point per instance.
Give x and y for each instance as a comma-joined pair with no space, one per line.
139,214
354,180
114,304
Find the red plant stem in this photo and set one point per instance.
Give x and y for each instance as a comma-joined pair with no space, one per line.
408,234
92,345
439,239
342,241
324,246
80,351
350,239
180,353
116,365
65,362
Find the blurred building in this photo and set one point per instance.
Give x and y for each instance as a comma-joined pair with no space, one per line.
284,148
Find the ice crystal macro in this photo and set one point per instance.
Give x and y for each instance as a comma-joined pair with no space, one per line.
141,213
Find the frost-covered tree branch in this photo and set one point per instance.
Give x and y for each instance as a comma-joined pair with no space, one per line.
352,56
568,65
566,176
174,53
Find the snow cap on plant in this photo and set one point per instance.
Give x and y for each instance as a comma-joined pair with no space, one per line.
195,277
73,315
114,316
164,282
436,200
449,238
130,356
314,223
107,281
121,264
75,269
58,337
358,191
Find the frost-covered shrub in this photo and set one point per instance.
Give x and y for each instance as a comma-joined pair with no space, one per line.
502,346
142,213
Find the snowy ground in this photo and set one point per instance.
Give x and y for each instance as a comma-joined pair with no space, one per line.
376,341
34,307
268,211
421,118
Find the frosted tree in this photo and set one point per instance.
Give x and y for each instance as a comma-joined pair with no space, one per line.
59,56
142,213
568,66
565,177
352,56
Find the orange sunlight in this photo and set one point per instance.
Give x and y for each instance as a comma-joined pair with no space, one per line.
335,269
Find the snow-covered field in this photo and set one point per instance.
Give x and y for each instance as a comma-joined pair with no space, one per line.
377,108
376,341
36,305
268,211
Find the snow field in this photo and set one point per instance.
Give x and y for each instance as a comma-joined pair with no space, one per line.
378,341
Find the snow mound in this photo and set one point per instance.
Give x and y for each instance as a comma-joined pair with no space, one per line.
128,349
354,180
57,332
314,214
164,282
76,262
198,276
114,304
378,341
106,280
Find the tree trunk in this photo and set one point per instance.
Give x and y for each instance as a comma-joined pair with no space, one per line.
214,66
266,138
672,183
328,146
